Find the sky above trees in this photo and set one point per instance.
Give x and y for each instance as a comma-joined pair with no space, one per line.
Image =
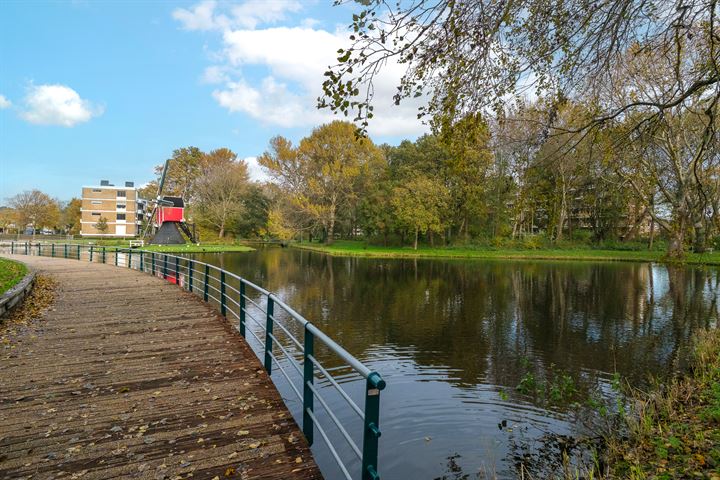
91,91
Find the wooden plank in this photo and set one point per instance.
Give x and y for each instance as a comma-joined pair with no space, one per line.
128,376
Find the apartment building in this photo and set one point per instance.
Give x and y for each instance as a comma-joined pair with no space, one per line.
121,208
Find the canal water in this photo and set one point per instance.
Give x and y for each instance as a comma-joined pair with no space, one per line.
484,359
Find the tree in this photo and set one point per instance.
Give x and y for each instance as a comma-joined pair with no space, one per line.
101,225
254,220
324,174
219,194
220,157
71,216
183,171
468,163
472,55
419,203
33,207
8,219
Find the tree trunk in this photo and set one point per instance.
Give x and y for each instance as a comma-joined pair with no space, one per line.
561,217
331,226
652,232
222,230
675,247
417,231
699,242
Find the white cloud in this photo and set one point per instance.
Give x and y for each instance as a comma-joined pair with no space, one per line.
255,171
216,74
275,74
206,15
4,102
57,105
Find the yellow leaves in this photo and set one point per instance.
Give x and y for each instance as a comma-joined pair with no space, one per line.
241,433
298,460
230,471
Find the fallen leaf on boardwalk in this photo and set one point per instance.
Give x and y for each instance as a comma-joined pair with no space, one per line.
254,445
229,471
298,460
240,433
32,308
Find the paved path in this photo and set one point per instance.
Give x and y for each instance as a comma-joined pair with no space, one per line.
127,376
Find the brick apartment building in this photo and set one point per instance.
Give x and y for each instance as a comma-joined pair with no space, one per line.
121,207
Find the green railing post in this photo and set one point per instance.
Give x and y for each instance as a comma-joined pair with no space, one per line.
223,307
52,250
116,257
142,256
268,332
130,259
242,308
308,380
371,431
177,271
103,254
12,247
26,248
39,252
65,250
165,270
207,284
152,259
91,253
78,252
191,266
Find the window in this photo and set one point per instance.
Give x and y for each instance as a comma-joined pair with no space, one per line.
121,206
95,214
96,202
121,193
121,216
96,190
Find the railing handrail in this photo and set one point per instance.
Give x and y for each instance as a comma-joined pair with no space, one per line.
199,280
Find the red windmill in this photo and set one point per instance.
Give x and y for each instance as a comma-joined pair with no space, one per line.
168,217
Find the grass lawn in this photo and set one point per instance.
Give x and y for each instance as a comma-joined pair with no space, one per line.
192,248
362,249
10,274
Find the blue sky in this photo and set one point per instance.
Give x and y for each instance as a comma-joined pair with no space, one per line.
106,90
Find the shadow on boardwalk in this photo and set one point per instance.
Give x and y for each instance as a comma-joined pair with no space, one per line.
128,376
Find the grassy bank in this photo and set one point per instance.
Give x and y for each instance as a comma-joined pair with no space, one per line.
192,248
674,429
10,274
362,249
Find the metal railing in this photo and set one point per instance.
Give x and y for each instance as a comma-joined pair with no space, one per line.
245,302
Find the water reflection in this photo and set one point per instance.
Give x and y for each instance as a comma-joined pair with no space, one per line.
451,334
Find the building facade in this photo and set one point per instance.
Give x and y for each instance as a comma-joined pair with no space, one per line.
120,207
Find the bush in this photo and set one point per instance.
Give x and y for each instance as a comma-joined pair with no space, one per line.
715,243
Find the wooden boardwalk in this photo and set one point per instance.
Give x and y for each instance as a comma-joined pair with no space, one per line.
127,376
